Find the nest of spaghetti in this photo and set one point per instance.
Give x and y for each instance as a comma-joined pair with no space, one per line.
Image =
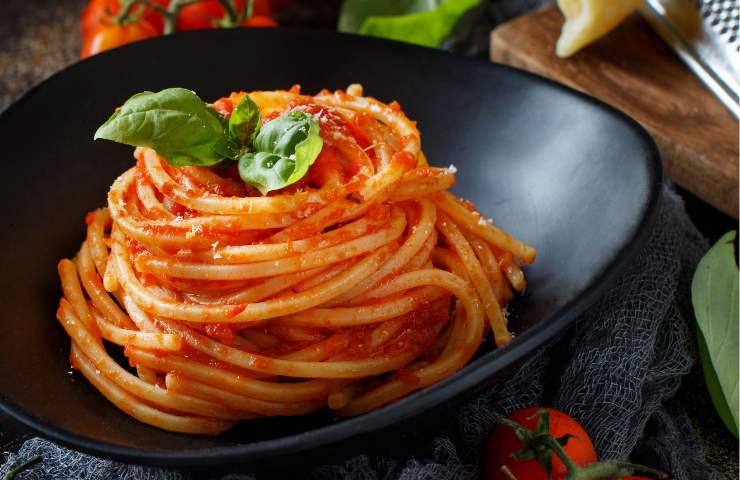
363,282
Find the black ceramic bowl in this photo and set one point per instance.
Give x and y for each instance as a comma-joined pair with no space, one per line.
565,173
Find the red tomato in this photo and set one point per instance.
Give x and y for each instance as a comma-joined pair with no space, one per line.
260,21
113,35
206,14
97,12
199,16
503,443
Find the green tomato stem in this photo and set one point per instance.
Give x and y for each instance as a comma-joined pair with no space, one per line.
125,16
247,12
600,470
558,450
233,18
616,469
155,6
172,12
505,470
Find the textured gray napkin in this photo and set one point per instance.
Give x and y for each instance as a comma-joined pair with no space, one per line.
618,369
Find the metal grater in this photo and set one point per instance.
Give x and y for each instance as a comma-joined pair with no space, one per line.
704,34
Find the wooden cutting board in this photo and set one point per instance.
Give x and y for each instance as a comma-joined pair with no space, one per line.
633,70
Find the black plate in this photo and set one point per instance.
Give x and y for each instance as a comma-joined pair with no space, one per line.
561,171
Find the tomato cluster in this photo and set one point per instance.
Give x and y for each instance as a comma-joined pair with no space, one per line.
517,449
103,27
504,443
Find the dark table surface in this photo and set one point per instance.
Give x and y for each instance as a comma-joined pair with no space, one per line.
40,37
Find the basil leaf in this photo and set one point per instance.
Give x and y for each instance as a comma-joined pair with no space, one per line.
244,122
354,12
265,171
714,295
175,122
227,147
284,149
418,22
713,386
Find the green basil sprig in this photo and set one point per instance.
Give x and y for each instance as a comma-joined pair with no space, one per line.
283,150
184,130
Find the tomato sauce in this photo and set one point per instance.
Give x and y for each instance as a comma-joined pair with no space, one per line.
197,356
344,96
220,331
325,166
307,228
470,206
90,217
404,159
409,379
94,278
224,106
147,279
423,172
419,333
361,123
285,348
235,310
359,345
261,363
378,213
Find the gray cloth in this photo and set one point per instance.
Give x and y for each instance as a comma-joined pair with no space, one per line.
615,372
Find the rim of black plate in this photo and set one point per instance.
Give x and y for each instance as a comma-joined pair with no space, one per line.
413,405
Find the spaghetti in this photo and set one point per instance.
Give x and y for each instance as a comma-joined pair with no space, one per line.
362,282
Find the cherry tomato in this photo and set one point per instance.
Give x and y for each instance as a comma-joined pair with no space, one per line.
113,35
206,14
199,16
260,7
97,12
260,21
503,443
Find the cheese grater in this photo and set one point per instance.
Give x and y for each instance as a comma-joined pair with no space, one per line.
704,34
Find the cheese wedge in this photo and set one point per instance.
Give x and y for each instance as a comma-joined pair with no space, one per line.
588,20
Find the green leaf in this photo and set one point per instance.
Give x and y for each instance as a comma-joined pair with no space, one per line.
175,122
244,122
354,12
420,24
714,294
713,386
283,150
227,148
